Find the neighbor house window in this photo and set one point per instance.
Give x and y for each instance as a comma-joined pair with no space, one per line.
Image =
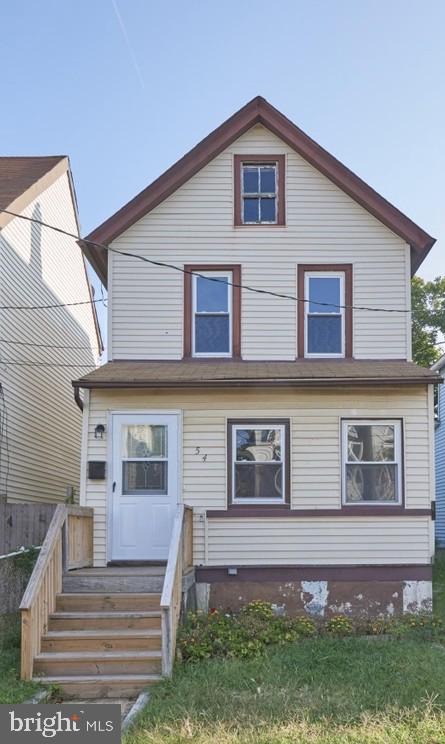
212,311
372,462
259,462
259,190
325,311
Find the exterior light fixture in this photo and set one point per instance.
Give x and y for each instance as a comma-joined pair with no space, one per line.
99,431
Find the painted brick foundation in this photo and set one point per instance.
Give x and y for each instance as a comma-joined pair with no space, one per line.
310,593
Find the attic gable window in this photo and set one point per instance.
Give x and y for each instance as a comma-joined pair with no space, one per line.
259,190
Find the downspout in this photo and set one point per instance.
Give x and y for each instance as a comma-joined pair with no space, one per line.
77,398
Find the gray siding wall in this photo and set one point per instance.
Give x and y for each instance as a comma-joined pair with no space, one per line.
440,470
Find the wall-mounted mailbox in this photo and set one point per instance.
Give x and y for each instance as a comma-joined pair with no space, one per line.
96,470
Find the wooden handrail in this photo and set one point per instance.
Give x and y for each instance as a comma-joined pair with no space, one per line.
65,546
179,555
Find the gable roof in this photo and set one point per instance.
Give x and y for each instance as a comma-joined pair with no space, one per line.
257,111
19,174
23,179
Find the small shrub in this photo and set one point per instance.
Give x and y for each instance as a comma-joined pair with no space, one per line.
304,626
258,608
339,625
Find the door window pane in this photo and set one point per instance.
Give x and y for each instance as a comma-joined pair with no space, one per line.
212,334
324,334
212,294
259,481
144,477
144,440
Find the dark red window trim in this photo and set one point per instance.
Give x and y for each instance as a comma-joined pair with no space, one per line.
234,508
347,270
236,305
280,160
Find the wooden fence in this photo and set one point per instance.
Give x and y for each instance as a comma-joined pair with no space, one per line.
23,525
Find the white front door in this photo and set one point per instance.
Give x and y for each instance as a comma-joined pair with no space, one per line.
144,486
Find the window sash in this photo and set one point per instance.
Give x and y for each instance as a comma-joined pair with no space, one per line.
227,275
396,424
322,313
282,461
258,194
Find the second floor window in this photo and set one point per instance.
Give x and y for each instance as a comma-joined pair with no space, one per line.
325,311
212,311
324,314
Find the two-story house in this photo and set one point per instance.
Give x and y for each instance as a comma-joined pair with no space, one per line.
259,431
260,372
48,330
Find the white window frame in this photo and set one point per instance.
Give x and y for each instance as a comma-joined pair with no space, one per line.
283,446
308,275
259,195
397,424
228,275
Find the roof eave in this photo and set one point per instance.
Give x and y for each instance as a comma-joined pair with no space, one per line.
280,382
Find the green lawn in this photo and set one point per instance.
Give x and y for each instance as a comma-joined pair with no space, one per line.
322,691
12,689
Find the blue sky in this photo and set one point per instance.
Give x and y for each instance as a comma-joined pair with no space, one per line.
125,87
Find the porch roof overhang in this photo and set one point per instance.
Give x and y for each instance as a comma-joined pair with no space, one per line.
237,373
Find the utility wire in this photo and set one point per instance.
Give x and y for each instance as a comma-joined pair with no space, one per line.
43,364
45,346
196,273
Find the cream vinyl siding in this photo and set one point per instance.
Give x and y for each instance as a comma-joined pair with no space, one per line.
195,225
43,428
315,473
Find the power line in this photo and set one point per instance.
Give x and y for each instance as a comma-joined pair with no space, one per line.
47,307
44,364
45,346
208,278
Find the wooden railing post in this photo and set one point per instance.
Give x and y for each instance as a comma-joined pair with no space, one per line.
62,547
180,558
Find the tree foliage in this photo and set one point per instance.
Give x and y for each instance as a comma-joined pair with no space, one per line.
428,319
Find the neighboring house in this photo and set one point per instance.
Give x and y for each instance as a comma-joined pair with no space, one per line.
40,350
301,433
439,367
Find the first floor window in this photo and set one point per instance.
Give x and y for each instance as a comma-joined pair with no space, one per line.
372,461
259,462
212,314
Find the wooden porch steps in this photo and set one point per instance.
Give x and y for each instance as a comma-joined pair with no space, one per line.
101,686
98,644
120,639
97,662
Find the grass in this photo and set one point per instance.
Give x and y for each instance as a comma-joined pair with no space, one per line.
12,689
321,691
